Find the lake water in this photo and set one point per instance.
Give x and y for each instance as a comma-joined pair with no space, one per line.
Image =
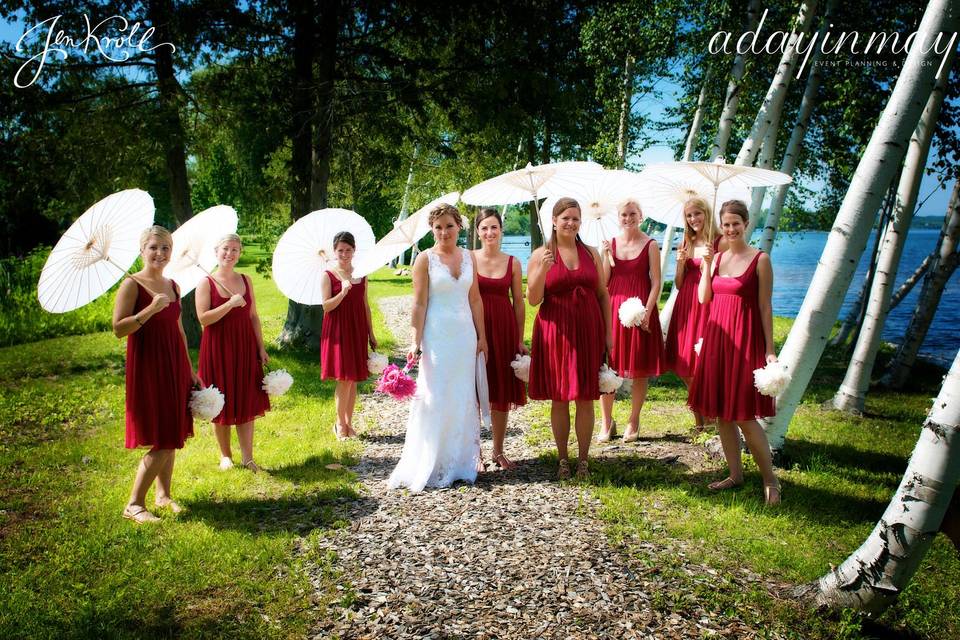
795,256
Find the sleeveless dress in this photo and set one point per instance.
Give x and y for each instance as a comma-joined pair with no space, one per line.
687,321
636,353
568,335
229,360
442,443
159,379
503,337
733,347
345,334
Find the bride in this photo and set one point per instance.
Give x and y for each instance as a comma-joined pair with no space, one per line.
442,444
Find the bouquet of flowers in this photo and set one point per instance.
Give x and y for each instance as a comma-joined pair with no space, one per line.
377,362
521,367
772,379
395,382
632,312
609,380
276,383
206,403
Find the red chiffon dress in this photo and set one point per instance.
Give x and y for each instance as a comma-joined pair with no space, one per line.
345,334
159,379
568,335
636,353
503,338
687,321
230,360
733,347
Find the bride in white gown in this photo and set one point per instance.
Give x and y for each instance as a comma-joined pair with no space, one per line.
442,444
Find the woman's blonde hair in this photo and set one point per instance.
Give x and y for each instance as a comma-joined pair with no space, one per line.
155,230
444,209
228,237
709,229
623,204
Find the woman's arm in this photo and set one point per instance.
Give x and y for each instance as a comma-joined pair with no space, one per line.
421,288
205,314
519,309
681,269
332,302
255,322
605,264
125,321
705,291
537,268
476,309
654,297
366,306
765,275
603,297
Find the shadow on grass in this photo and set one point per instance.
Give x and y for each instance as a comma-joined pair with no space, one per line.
294,514
313,469
812,455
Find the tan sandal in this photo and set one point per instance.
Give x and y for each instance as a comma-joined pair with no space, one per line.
722,485
139,514
503,461
170,504
771,494
252,466
583,470
563,471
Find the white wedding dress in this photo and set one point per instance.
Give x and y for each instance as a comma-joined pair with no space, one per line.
442,444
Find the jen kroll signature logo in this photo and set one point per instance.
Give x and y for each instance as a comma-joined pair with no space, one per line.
849,42
114,39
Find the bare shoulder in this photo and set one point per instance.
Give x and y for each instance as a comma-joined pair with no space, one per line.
593,253
764,260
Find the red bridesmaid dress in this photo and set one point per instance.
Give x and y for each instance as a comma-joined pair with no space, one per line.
230,361
687,321
503,338
159,379
733,347
568,335
636,353
345,334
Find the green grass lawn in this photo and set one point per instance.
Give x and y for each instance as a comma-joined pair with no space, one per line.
71,567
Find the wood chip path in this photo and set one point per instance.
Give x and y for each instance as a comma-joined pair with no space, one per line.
517,555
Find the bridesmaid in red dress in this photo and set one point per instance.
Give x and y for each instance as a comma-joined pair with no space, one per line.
347,329
501,290
700,238
737,339
232,355
570,333
159,373
637,351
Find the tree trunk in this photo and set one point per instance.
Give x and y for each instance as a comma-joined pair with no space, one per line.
623,139
951,520
885,215
914,278
767,152
852,393
792,153
875,574
879,163
328,21
772,106
933,285
405,203
732,98
302,326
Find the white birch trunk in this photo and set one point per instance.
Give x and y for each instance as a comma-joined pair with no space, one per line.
772,105
623,139
731,99
875,574
764,162
933,285
845,244
914,278
405,204
852,393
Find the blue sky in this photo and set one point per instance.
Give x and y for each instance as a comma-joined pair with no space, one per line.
11,31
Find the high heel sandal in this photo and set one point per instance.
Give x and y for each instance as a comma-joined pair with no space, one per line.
563,471
605,437
771,494
503,461
631,436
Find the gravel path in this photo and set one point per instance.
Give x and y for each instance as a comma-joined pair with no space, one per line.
517,555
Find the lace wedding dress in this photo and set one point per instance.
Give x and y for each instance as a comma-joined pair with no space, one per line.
442,444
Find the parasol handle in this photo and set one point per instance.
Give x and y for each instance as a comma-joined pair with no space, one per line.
230,291
107,259
536,207
608,252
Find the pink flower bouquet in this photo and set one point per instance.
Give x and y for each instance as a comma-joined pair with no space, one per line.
395,382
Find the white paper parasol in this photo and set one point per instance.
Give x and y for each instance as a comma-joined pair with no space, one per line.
532,183
95,252
665,194
405,234
305,251
193,246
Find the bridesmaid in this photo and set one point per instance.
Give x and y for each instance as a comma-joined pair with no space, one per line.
637,351
159,374
737,339
700,238
232,355
503,321
347,329
570,333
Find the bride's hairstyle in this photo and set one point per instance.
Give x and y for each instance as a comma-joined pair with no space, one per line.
488,212
444,209
345,237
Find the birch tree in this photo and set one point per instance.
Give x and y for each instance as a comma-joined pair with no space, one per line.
765,161
852,393
875,574
933,285
847,239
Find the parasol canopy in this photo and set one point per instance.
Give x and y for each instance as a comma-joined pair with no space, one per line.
194,242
